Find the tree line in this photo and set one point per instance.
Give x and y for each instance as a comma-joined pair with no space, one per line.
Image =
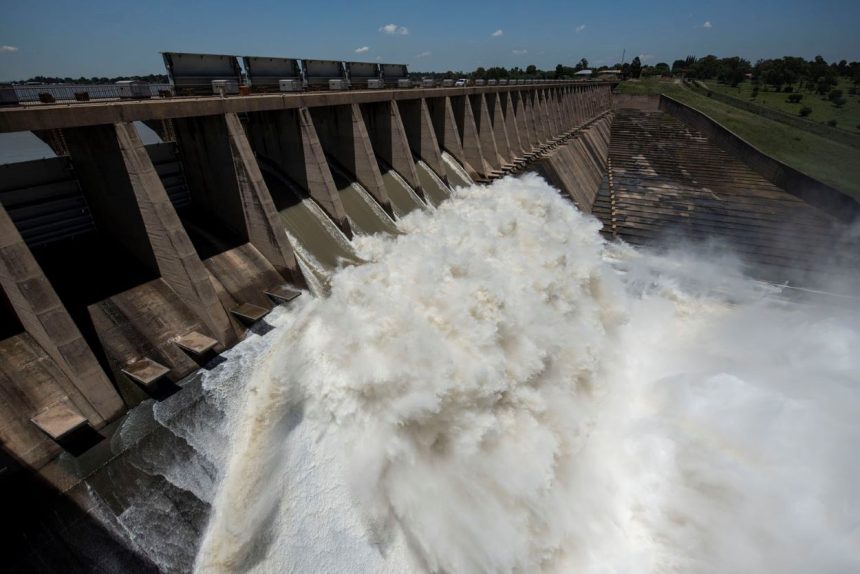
777,73
815,74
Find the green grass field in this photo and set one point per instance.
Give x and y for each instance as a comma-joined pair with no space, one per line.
831,162
847,118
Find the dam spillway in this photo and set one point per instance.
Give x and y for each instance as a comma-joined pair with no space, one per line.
243,196
115,254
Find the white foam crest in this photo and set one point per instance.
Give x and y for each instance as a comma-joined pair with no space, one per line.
499,390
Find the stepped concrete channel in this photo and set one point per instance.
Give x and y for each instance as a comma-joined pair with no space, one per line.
129,270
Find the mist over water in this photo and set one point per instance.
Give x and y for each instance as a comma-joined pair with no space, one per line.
500,390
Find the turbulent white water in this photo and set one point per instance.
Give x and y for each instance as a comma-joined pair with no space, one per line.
499,390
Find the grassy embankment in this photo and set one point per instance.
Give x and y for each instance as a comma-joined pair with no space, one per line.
847,117
831,162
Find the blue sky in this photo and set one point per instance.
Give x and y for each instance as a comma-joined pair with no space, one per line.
115,37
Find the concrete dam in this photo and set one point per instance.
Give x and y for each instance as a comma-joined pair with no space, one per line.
130,271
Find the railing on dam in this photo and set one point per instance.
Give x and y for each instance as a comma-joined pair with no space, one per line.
50,93
157,257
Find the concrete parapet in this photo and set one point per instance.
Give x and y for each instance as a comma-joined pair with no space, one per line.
29,118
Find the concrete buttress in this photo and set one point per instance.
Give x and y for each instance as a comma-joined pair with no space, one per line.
420,133
447,132
288,139
485,131
46,320
503,144
263,227
344,136
111,161
472,149
390,143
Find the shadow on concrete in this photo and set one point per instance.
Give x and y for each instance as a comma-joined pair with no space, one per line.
43,531
80,440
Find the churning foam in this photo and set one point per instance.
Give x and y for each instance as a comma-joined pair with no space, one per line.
499,390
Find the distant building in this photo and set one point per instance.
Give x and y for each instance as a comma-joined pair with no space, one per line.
608,74
583,75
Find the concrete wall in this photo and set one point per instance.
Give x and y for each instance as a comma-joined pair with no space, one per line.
221,145
63,116
579,166
812,191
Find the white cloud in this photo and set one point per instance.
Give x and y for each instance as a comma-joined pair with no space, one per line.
394,29
520,52
580,28
497,33
424,55
362,50
707,24
645,57
8,48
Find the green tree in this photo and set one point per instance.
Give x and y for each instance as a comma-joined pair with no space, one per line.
635,67
732,71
